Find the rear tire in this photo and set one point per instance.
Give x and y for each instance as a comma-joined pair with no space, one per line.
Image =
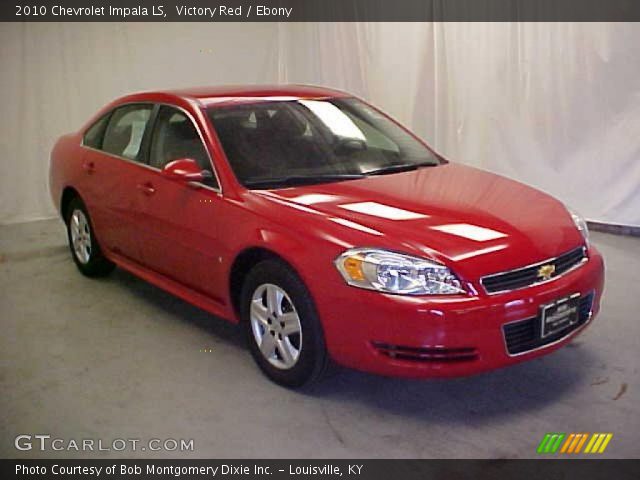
282,326
83,243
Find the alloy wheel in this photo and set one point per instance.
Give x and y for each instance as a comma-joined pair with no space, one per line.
276,326
80,236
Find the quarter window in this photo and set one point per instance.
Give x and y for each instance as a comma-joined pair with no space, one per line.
124,133
93,136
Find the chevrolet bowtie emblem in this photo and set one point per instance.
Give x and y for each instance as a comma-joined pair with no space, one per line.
546,271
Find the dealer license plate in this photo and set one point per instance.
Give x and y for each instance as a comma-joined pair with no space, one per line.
558,315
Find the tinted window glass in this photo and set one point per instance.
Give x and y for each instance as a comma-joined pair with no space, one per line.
93,136
125,131
175,137
313,141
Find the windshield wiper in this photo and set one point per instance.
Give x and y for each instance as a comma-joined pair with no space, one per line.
404,167
298,180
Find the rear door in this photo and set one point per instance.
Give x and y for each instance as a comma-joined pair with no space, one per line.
113,166
181,219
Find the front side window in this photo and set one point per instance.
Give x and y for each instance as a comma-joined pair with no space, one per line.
124,133
175,137
271,144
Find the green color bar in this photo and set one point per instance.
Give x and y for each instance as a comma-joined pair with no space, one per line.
543,443
555,447
547,448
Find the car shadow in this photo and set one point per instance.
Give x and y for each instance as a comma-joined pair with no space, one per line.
217,329
523,388
528,387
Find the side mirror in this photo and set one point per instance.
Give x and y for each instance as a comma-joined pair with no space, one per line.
185,169
347,146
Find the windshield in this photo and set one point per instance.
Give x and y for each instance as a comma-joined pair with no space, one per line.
273,144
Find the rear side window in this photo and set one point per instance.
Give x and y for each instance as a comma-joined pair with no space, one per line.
125,130
93,136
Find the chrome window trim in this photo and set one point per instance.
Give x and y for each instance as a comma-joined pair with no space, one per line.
584,260
555,342
189,116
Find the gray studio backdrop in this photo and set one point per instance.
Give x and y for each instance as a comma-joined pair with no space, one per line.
556,105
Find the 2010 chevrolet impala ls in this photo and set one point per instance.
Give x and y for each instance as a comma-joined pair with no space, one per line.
327,230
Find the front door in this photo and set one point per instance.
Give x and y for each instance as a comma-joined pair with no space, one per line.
181,219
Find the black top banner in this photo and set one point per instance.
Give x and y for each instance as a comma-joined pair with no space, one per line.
320,11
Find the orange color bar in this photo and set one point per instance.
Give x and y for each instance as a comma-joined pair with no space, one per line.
574,443
582,440
567,442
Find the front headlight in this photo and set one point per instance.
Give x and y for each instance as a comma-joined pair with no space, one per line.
392,272
580,222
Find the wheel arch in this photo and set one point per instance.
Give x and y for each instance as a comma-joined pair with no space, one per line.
242,265
68,194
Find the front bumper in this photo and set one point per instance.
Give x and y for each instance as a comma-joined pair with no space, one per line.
445,336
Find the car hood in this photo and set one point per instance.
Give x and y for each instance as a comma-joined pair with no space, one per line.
455,213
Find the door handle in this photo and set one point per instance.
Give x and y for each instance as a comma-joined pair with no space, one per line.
89,167
147,188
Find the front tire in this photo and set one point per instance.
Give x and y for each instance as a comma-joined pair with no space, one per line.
282,326
84,246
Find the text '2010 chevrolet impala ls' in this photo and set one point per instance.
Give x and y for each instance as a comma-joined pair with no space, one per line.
327,230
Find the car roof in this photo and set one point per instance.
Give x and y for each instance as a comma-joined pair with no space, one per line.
226,93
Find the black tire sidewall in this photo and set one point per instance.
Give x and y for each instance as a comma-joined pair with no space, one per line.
313,356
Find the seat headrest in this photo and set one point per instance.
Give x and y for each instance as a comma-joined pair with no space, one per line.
282,124
182,130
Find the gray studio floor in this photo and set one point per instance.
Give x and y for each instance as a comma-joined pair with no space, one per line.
118,358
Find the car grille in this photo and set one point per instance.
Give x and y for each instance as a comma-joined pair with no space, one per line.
426,354
527,276
524,335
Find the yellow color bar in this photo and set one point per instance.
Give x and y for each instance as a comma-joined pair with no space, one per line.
591,442
596,445
606,441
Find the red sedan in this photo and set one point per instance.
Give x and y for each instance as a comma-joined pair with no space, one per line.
327,230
